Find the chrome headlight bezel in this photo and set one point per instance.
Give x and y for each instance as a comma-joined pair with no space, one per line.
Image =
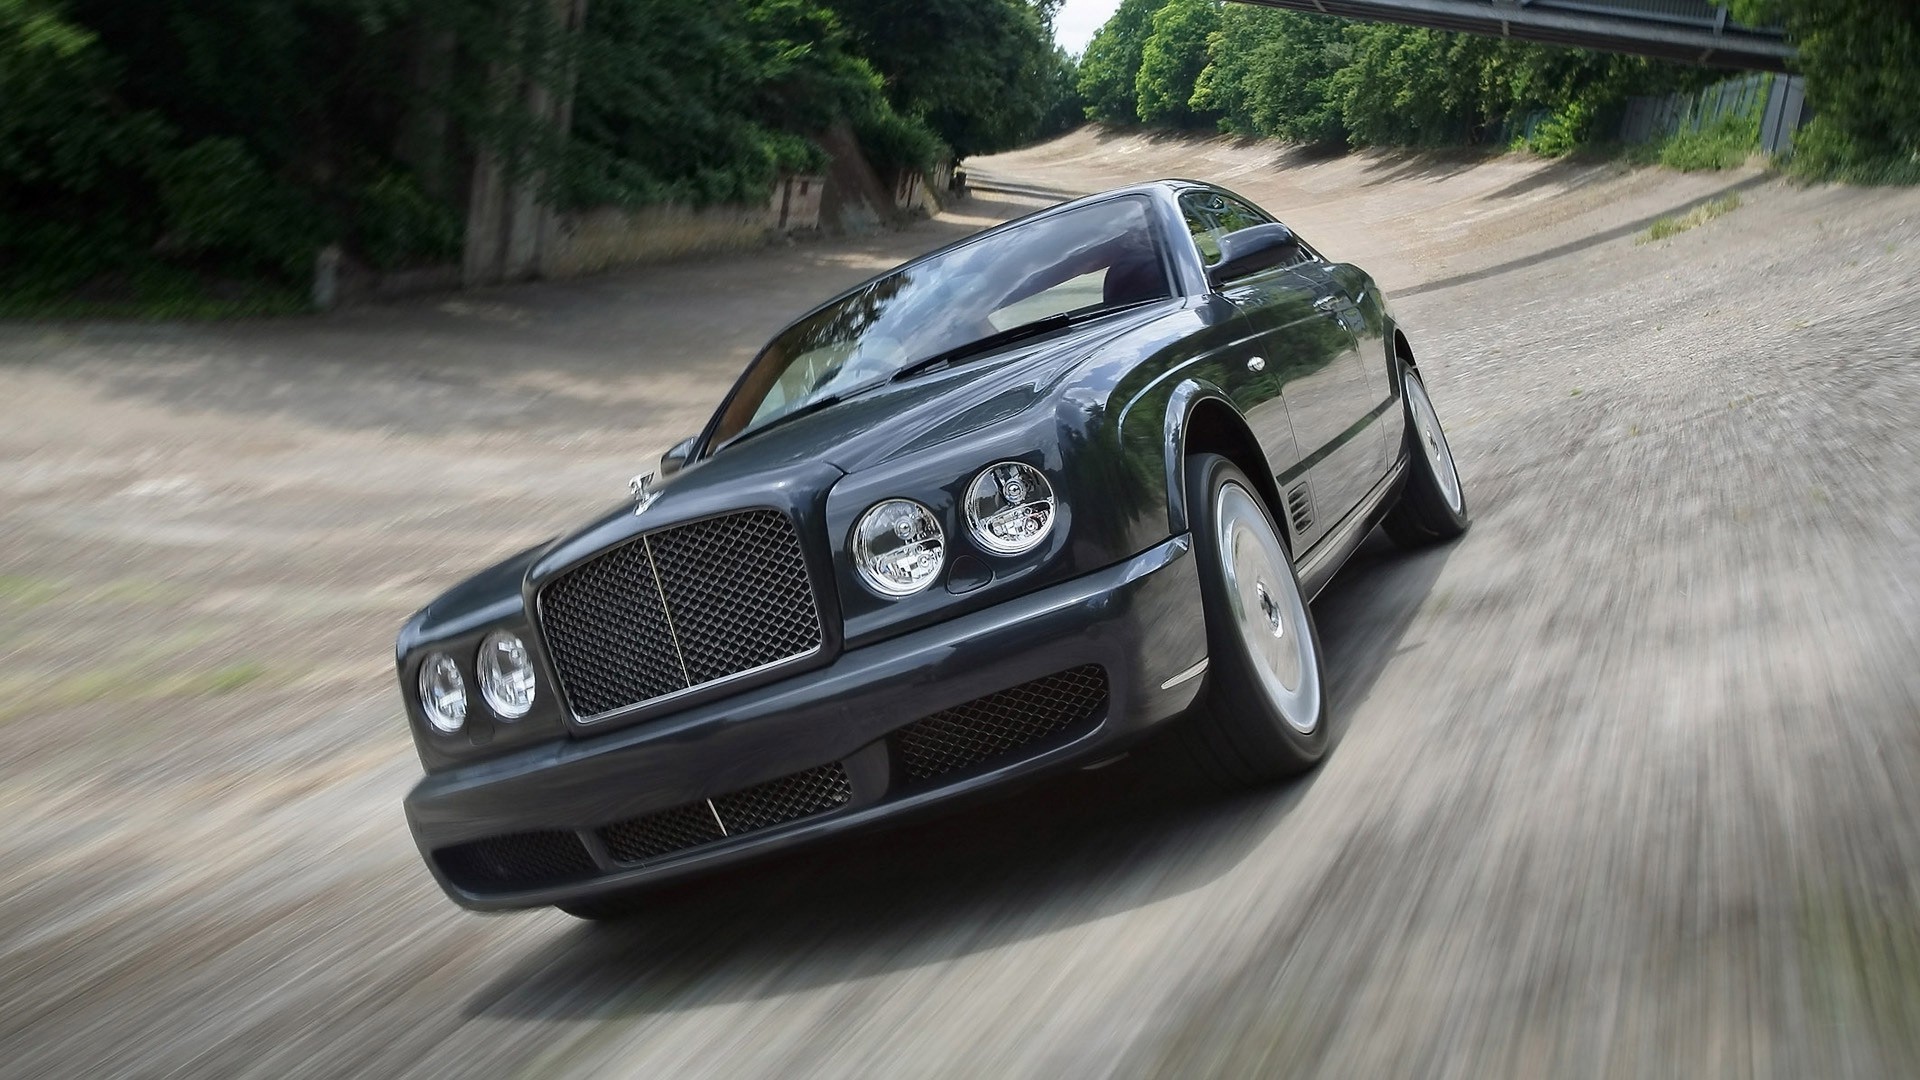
503,647
441,691
911,525
1012,486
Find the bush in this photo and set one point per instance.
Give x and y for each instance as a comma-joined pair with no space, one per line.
896,142
1564,131
217,200
396,224
1724,144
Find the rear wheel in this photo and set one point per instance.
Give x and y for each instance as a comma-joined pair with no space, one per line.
1432,507
1264,713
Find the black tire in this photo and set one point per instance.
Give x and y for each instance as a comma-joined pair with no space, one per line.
1427,513
1239,734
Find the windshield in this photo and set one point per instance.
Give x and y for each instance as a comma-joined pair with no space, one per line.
1083,261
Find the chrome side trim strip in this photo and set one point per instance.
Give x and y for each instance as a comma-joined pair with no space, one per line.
715,811
1191,673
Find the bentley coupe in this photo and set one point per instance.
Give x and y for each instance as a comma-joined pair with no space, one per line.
1055,493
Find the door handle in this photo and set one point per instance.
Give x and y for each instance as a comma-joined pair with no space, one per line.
1255,364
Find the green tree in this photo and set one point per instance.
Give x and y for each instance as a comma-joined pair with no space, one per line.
980,72
1863,82
1171,62
1111,64
1268,73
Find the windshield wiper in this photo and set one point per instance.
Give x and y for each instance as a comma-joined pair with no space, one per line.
806,408
1034,329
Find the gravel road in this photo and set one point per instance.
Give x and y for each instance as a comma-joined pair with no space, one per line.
1625,781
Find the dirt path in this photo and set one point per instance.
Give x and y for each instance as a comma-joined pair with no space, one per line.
1625,783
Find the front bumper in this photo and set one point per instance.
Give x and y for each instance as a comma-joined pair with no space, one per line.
551,810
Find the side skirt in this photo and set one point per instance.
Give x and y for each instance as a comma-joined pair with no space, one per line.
1325,558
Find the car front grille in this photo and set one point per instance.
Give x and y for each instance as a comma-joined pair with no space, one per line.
991,727
517,861
802,794
680,608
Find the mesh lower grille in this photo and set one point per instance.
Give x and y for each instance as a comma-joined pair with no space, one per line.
658,834
680,607
785,799
762,806
995,725
518,861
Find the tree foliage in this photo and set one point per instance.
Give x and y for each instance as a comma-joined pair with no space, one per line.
1862,63
1316,79
1110,67
231,139
981,73
1171,62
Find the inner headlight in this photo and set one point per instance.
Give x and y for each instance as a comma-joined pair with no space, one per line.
1010,508
506,675
898,547
443,693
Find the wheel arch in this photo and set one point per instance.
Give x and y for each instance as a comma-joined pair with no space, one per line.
1201,419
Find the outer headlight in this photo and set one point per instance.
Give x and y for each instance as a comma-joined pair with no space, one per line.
1010,508
506,675
898,547
443,693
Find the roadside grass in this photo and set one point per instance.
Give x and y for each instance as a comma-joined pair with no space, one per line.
135,681
143,291
21,591
1860,964
1692,219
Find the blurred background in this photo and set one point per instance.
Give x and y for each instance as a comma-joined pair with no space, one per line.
309,308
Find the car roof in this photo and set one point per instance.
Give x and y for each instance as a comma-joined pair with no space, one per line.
1168,186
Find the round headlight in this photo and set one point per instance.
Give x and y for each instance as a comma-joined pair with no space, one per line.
443,693
506,675
1010,508
898,547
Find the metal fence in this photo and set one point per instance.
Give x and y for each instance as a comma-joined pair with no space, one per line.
1778,102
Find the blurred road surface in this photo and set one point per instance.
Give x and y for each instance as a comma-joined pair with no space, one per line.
1625,782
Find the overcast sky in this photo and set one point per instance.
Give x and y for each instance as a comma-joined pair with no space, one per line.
1077,21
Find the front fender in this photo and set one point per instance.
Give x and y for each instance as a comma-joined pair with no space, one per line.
1187,396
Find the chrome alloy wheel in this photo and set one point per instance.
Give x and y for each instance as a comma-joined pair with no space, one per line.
1268,611
1433,442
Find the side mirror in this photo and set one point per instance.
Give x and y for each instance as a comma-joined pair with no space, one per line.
676,459
1249,251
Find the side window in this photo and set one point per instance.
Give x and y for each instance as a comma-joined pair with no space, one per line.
1201,226
1232,215
1211,215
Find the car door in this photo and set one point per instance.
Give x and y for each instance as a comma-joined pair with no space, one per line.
1301,318
1244,372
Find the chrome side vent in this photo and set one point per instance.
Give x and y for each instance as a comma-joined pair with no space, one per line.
1300,509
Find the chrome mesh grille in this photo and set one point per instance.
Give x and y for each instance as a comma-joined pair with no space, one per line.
517,861
762,806
993,726
679,608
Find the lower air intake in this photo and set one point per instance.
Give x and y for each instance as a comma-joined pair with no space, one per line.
802,794
991,727
517,861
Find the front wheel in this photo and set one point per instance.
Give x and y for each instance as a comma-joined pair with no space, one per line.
1265,711
1432,508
